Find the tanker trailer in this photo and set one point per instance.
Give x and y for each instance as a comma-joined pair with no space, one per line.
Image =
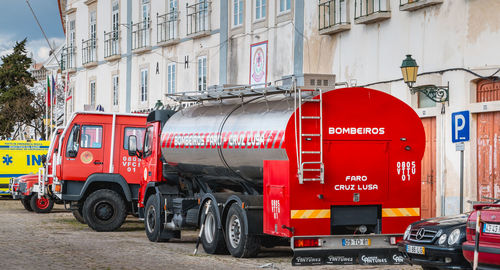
335,173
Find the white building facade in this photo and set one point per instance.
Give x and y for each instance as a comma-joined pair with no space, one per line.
125,55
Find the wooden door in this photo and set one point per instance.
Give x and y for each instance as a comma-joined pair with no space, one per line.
488,156
428,187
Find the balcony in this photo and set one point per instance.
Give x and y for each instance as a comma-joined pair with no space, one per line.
198,19
411,5
68,59
89,52
167,28
141,36
371,11
112,45
333,17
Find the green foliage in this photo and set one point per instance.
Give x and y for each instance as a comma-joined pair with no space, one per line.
16,100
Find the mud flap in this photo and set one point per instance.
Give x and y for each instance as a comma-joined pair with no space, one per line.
386,256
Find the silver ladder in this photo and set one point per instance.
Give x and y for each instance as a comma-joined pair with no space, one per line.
315,165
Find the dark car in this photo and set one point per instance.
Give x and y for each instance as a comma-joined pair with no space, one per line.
436,243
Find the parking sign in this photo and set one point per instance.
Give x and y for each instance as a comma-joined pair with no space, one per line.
460,126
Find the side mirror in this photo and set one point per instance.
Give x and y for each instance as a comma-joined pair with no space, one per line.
132,145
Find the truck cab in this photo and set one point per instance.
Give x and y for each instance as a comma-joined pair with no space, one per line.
94,173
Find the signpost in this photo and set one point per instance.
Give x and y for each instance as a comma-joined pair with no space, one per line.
460,128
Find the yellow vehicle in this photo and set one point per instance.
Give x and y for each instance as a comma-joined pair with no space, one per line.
19,158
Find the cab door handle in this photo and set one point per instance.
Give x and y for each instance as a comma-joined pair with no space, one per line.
97,162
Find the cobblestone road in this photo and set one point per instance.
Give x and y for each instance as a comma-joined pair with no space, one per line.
58,241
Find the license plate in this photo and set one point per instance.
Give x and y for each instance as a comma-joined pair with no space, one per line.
356,242
415,250
491,228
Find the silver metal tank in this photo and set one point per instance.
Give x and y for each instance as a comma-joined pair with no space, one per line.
229,138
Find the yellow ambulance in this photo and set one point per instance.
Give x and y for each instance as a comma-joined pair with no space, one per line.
19,158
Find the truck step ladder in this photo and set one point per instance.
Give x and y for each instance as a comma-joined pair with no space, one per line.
310,160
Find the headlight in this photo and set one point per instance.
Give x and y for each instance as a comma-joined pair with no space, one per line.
407,232
454,236
442,239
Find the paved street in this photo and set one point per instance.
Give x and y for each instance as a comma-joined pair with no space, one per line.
58,241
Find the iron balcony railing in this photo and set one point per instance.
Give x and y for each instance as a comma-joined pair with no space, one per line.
89,51
198,17
111,43
141,34
68,58
331,13
364,8
168,25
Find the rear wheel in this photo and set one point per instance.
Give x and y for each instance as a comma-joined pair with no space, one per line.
238,243
41,205
104,210
26,203
212,237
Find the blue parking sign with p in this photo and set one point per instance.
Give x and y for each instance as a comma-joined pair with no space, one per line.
460,126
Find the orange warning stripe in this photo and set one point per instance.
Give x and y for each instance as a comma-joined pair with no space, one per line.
313,213
400,212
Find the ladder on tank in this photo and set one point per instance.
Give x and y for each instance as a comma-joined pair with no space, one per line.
310,161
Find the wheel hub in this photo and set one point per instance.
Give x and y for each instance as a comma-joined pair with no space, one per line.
42,203
151,218
209,230
234,231
104,211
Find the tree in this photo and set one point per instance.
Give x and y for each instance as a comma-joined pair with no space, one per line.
16,100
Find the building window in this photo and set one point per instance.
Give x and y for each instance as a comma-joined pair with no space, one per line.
367,7
92,94
202,73
144,85
285,5
89,46
197,16
332,13
237,12
260,9
115,90
171,78
168,23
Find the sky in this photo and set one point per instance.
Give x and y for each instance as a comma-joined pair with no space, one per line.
17,23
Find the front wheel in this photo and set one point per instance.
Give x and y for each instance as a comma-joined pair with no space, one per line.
26,203
153,222
239,244
104,210
42,204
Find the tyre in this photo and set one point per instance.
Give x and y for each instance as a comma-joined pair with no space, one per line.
153,222
78,214
26,203
238,243
104,210
42,205
212,238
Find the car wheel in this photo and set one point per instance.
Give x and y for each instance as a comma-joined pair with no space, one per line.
153,222
238,243
26,203
212,238
104,210
41,205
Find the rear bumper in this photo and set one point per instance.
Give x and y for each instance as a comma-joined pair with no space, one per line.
435,256
488,253
333,252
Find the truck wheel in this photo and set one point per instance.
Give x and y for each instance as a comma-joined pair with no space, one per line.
42,205
78,214
153,220
26,203
239,244
104,210
212,238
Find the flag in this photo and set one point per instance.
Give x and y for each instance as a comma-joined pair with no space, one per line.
54,96
47,95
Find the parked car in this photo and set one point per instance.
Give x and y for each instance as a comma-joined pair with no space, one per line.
436,243
489,236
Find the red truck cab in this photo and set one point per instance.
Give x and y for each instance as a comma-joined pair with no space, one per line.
94,172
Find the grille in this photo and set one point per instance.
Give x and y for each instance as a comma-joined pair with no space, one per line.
428,236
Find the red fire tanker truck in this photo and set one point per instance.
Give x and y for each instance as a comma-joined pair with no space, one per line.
34,190
337,173
94,173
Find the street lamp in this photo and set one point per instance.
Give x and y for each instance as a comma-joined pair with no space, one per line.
409,68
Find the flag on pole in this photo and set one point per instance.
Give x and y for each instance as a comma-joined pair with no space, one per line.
54,96
47,95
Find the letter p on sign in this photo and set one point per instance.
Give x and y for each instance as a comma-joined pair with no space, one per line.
460,126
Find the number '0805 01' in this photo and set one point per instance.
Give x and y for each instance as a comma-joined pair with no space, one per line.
406,169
